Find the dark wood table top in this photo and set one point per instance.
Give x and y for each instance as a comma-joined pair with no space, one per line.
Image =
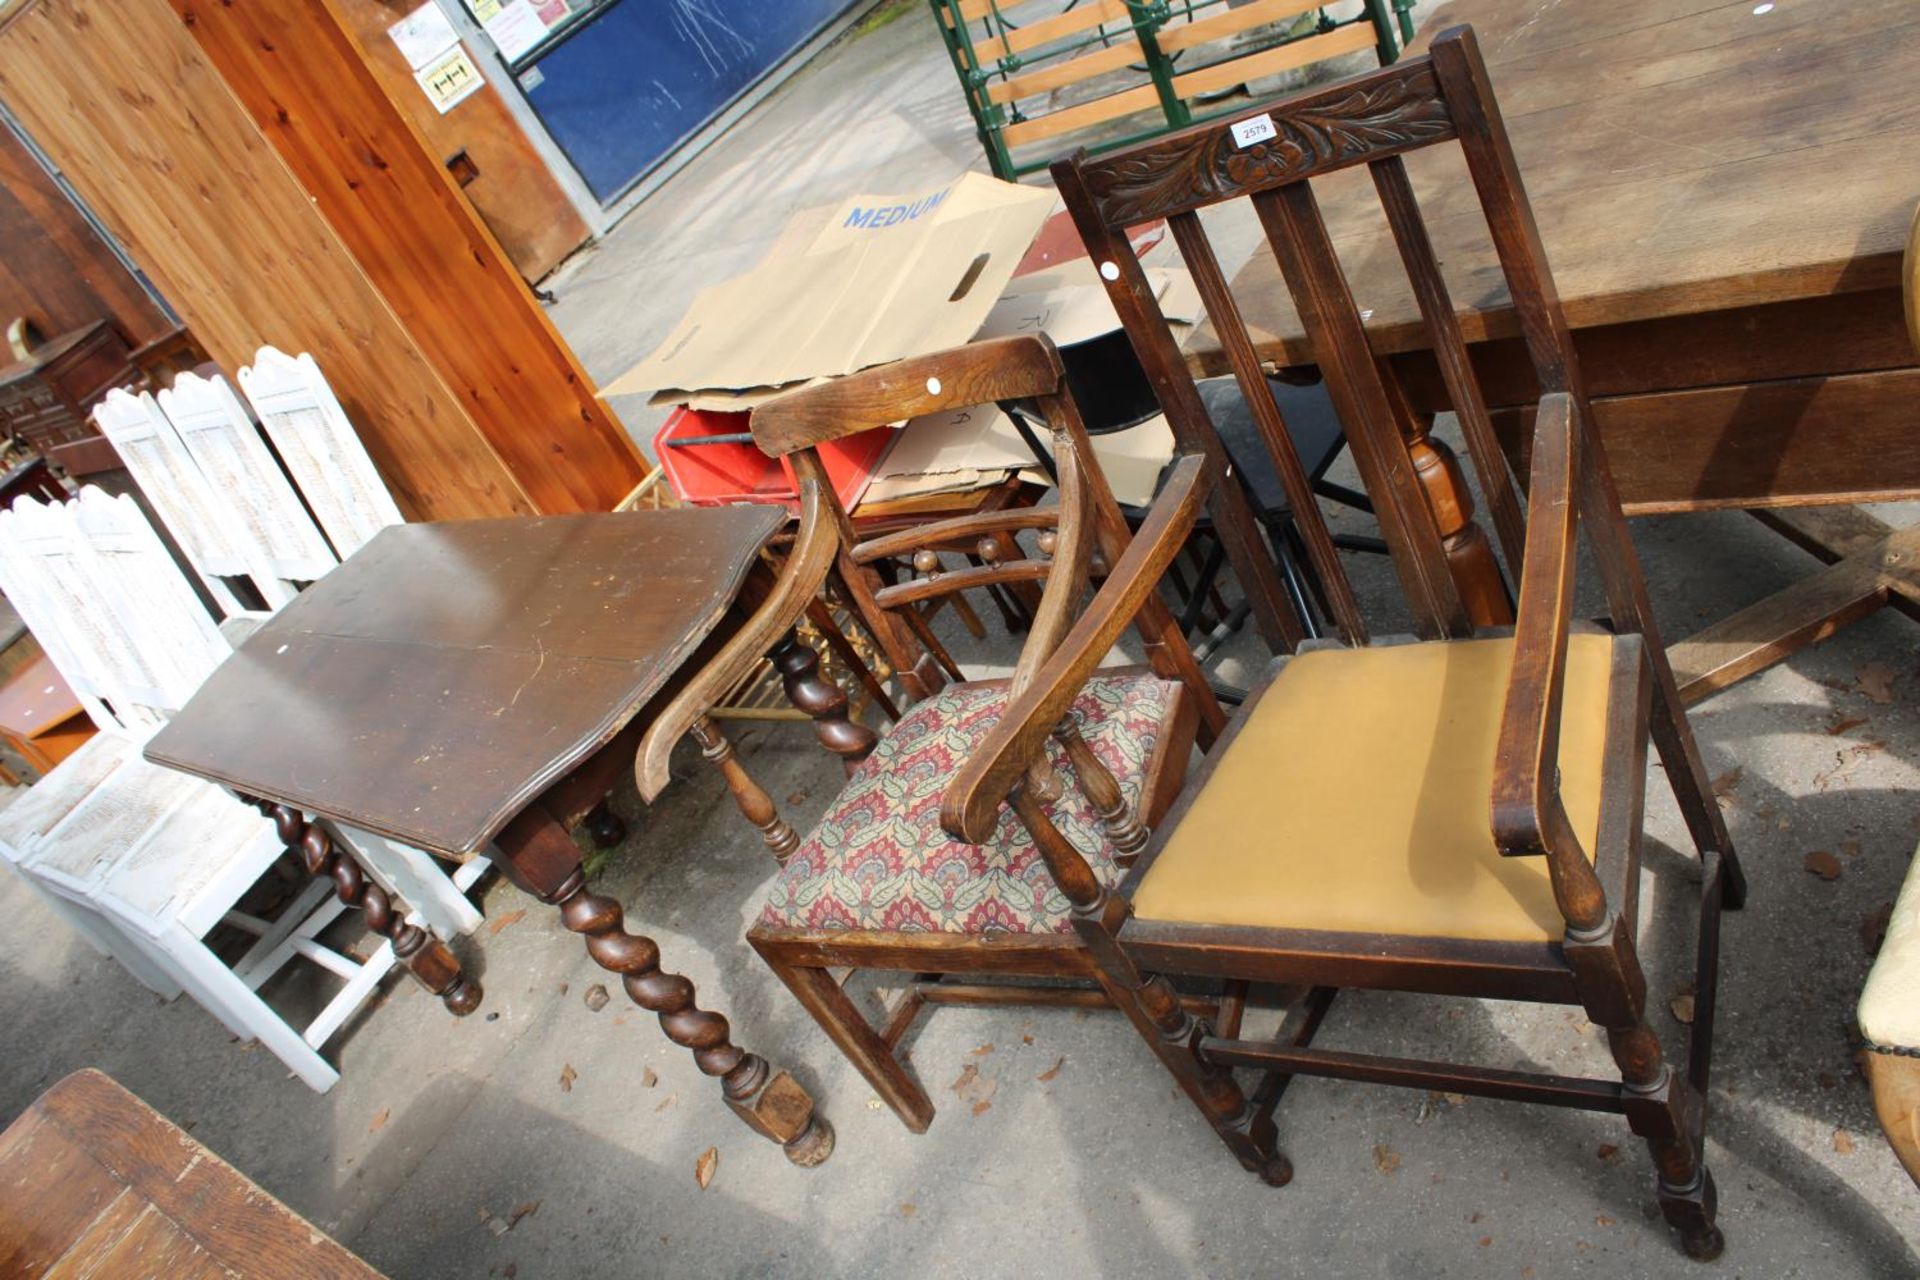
447,674
1682,157
94,1182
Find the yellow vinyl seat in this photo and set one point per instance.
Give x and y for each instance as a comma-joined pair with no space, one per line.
1356,799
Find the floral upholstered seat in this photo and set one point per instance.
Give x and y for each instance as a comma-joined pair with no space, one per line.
879,859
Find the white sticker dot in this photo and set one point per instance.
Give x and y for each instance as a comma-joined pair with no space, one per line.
1762,8
933,386
1109,271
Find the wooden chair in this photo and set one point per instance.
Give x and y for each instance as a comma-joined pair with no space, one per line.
877,885
320,448
222,439
1459,816
147,861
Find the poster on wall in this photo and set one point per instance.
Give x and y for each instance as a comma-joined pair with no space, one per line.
423,35
449,80
515,28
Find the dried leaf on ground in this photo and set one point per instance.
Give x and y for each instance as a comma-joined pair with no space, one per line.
380,1119
498,923
521,1210
982,1051
1843,1142
975,1088
1602,1220
908,1209
1823,864
1843,723
648,1078
567,1076
1052,1071
796,797
666,1102
703,1167
1723,786
596,997
1385,1158
1875,680
1682,1005
1609,1153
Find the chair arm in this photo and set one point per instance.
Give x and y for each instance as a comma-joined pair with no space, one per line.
808,561
1527,817
971,806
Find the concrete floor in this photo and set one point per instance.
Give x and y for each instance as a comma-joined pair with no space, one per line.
541,1138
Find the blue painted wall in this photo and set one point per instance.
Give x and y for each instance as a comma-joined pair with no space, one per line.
643,74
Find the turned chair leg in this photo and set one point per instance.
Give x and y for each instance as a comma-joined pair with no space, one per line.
1662,1105
849,1029
751,798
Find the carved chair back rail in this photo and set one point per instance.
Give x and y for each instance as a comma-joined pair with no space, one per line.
1493,848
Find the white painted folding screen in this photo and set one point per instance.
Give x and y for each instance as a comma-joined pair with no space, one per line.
203,522
320,448
220,436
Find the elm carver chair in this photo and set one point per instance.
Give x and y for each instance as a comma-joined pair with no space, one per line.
1457,816
877,884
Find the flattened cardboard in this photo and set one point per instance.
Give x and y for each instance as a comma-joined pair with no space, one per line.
880,278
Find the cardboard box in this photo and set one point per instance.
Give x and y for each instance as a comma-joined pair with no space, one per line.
878,279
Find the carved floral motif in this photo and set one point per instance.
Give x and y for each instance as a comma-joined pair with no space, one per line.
1376,117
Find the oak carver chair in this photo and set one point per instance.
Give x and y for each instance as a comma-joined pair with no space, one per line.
1456,816
877,884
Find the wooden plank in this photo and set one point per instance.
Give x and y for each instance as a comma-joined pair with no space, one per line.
1111,107
1072,71
1084,17
1774,629
1788,621
1649,138
513,190
1230,22
1286,57
96,1175
302,77
124,101
1828,533
1761,444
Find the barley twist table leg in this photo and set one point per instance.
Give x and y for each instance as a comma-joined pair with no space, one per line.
427,958
771,1102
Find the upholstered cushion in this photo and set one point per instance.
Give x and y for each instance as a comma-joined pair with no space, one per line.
1356,799
1890,1005
880,859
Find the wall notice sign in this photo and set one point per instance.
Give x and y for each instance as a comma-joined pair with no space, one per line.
516,28
449,80
423,35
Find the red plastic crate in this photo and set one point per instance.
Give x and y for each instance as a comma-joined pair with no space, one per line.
718,475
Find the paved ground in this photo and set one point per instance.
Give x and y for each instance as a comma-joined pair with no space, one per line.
540,1138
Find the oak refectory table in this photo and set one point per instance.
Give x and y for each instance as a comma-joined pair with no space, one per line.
482,682
1724,191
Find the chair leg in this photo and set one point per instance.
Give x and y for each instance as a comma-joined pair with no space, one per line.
844,1024
1661,1104
228,998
